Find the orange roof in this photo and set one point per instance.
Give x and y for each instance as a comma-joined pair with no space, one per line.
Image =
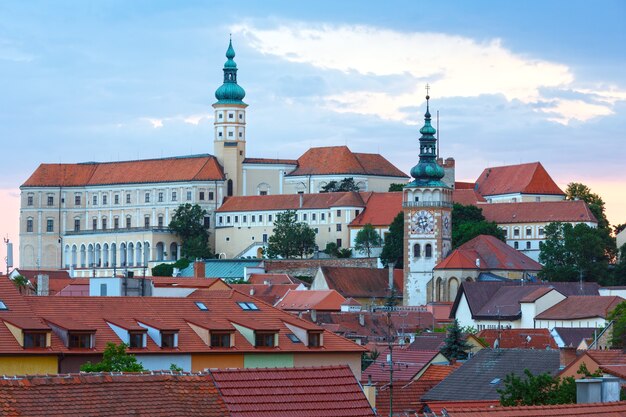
542,211
467,196
463,185
407,363
519,338
184,282
406,397
270,161
437,406
492,253
320,300
363,282
270,279
615,409
176,169
438,373
292,201
268,293
380,210
530,178
581,307
340,160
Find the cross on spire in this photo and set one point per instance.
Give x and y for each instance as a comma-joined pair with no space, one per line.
427,91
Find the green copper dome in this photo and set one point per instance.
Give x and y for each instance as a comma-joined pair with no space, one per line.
427,172
230,92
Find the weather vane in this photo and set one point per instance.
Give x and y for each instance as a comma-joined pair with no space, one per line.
427,90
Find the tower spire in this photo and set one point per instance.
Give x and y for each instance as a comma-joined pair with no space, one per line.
230,92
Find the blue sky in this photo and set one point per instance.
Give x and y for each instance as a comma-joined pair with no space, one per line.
513,81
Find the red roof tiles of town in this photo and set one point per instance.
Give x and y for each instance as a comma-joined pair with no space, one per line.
380,210
581,307
271,279
544,211
406,397
464,185
438,373
107,395
492,254
530,178
615,409
362,282
407,363
268,293
518,338
185,282
330,391
293,201
270,161
319,300
341,160
191,168
467,196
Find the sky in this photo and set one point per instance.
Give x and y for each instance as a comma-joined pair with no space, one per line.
513,82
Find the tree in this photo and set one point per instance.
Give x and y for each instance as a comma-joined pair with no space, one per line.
333,250
21,283
619,271
114,359
188,224
455,347
542,389
290,238
578,191
346,184
396,187
618,228
163,270
572,253
393,249
366,239
618,316
469,222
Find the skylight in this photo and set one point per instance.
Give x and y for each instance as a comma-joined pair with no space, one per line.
293,338
248,306
3,306
201,306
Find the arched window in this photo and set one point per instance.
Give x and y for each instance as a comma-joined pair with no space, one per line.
229,188
428,251
416,250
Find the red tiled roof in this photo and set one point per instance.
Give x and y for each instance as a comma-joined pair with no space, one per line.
292,392
493,255
615,370
581,307
363,282
463,185
428,341
339,160
530,178
543,211
437,406
467,196
406,397
185,282
407,363
105,395
271,279
268,293
270,161
319,300
190,168
608,357
380,210
438,373
615,409
519,338
292,201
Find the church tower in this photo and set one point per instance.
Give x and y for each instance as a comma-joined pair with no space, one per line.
230,125
427,205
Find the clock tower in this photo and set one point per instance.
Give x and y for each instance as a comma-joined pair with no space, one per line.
427,205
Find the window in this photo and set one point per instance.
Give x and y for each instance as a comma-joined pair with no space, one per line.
264,237
160,221
104,223
541,231
514,200
49,225
428,250
313,216
116,223
269,218
230,115
322,216
505,231
221,220
147,198
103,290
236,219
254,218
3,306
188,195
207,222
248,306
304,217
210,195
516,232
529,232
220,133
50,200
135,340
338,213
160,197
79,340
116,199
245,219
527,245
29,225
146,222
76,225
516,245
356,212
220,339
315,339
293,338
227,219
220,116
127,198
264,339
29,200
77,200
416,250
173,195
94,223
537,199
128,221
338,243
240,134
201,195
104,200
230,134
201,306
95,200
339,227
240,116
35,340
168,339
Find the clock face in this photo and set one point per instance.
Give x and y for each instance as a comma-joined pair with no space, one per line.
446,224
422,222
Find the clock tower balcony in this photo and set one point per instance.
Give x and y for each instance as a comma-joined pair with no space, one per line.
411,204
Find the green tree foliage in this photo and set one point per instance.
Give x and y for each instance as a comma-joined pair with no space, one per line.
290,238
188,224
346,184
114,359
455,347
619,271
368,358
366,239
469,222
393,248
570,253
163,270
618,228
396,187
542,389
578,191
618,316
21,283
333,250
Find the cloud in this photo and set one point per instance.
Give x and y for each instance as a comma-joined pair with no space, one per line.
455,66
10,52
192,119
156,123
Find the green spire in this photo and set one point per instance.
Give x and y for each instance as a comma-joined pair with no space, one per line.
230,92
427,172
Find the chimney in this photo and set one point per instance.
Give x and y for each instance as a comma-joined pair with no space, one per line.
199,269
43,284
314,316
301,199
588,390
610,389
362,319
370,392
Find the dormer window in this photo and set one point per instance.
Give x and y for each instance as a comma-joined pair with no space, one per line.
220,339
79,340
34,339
136,340
264,339
315,339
